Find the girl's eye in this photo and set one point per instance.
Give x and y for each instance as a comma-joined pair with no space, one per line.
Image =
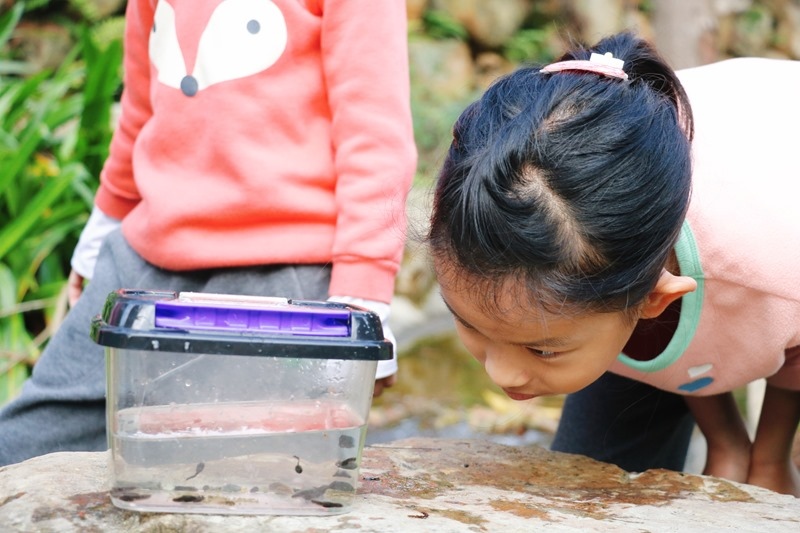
544,354
463,324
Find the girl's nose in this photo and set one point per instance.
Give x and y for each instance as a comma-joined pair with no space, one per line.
504,370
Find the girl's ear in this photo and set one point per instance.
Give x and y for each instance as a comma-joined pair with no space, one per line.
668,289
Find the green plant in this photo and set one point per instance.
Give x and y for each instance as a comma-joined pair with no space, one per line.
440,25
433,125
8,21
55,129
647,7
529,44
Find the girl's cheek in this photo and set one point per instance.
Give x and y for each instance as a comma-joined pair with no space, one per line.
473,345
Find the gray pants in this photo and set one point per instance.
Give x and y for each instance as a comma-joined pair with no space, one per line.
62,406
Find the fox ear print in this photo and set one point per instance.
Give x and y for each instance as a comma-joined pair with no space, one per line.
165,51
668,289
242,38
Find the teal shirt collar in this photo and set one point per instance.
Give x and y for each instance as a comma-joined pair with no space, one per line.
691,307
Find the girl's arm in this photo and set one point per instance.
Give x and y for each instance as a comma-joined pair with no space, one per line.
726,435
771,463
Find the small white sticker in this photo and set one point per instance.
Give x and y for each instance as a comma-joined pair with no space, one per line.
699,370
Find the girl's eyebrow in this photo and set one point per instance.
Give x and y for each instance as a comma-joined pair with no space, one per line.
552,342
548,341
455,315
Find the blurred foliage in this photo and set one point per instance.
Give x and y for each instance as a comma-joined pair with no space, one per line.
88,9
433,125
9,21
529,45
433,114
55,128
440,25
440,384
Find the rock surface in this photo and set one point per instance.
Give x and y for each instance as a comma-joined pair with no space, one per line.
424,485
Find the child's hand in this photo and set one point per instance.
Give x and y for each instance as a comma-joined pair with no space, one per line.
84,257
384,383
386,375
74,287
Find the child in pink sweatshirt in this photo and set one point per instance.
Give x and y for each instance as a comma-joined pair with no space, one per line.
265,147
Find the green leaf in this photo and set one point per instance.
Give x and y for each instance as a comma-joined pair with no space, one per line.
441,25
9,21
18,97
15,68
15,231
8,288
15,342
11,381
102,82
14,162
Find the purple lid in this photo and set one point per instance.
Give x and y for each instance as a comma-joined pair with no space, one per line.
198,311
138,320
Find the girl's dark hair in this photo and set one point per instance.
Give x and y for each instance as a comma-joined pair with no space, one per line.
573,182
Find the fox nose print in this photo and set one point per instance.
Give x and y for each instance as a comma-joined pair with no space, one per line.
189,85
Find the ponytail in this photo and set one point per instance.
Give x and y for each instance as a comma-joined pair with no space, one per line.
644,64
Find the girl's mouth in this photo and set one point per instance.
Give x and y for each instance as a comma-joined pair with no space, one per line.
518,396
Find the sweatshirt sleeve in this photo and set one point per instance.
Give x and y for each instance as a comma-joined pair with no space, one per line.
365,62
118,194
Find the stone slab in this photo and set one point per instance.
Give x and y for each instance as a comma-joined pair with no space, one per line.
424,485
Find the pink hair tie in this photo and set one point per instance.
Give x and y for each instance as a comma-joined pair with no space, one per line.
605,65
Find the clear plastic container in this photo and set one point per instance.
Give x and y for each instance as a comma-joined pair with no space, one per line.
236,405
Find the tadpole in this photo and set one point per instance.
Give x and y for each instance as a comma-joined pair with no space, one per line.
311,494
188,498
351,463
298,468
342,486
327,504
200,467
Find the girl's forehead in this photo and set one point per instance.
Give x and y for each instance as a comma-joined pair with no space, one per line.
509,320
508,306
480,303
499,294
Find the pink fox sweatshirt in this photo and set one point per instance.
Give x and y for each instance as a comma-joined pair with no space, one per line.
741,240
265,132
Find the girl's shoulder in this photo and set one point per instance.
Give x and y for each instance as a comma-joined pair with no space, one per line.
742,85
740,69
